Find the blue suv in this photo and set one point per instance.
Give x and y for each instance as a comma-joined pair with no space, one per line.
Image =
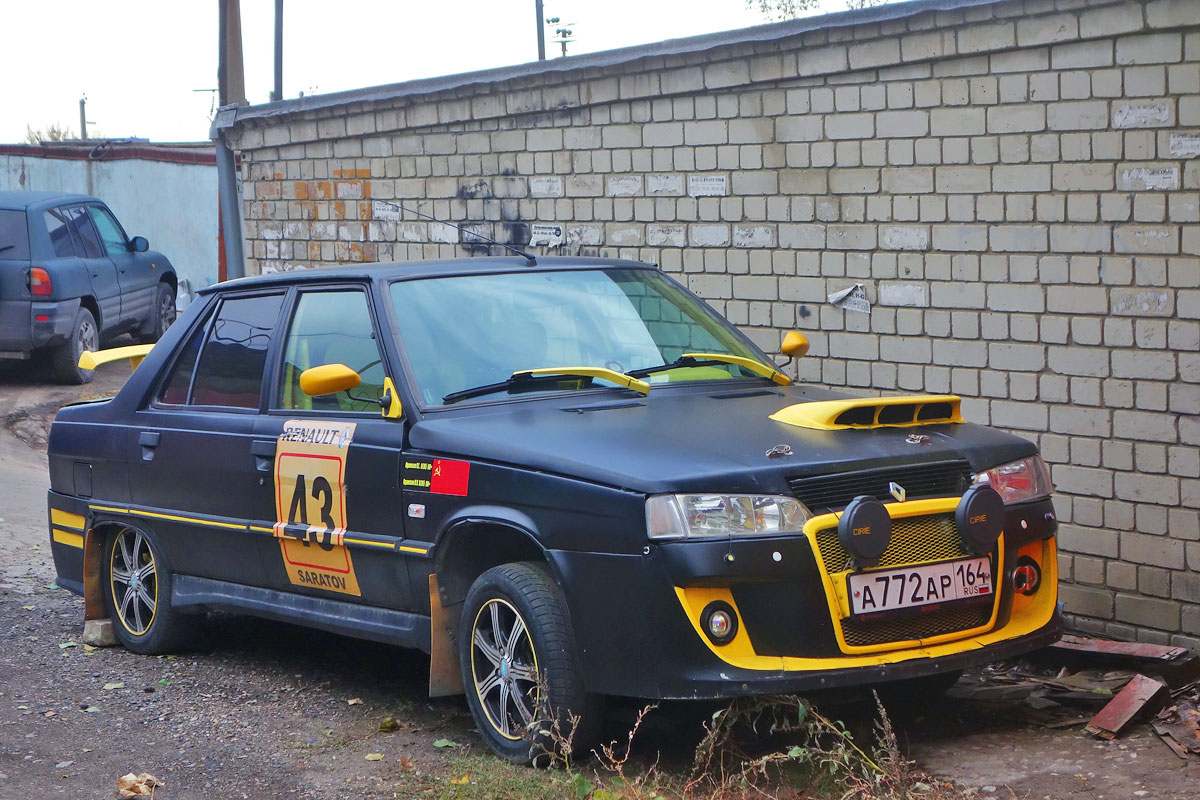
70,278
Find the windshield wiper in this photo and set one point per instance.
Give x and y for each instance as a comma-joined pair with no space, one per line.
712,359
4,247
530,379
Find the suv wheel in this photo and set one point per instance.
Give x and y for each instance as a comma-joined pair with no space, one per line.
65,358
517,654
162,314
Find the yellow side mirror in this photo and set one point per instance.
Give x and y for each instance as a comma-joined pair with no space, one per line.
795,344
328,379
390,405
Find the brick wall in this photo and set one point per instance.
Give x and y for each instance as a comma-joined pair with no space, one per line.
1015,184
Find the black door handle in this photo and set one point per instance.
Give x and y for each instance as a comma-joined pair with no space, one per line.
264,455
148,440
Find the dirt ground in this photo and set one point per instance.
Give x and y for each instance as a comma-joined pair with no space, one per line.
262,710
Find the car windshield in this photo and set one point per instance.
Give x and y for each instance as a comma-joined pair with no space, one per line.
469,331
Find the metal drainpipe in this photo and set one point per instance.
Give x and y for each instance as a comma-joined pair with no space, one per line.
231,208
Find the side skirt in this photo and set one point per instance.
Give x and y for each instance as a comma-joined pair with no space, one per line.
385,625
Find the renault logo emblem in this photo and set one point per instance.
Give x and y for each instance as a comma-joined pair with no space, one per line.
897,491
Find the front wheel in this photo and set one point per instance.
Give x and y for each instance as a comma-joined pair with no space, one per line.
517,654
138,594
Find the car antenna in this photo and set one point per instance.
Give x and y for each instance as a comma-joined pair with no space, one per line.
509,247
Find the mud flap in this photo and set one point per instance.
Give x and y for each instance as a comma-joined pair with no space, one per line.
97,625
445,676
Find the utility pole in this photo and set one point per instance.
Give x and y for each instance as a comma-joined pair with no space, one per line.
231,90
541,28
278,93
83,118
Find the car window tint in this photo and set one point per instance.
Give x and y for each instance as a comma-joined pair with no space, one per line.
87,241
58,222
111,235
332,328
175,391
234,358
14,235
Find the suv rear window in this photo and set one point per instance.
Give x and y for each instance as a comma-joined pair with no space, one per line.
14,235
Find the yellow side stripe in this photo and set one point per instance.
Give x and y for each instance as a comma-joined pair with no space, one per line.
66,519
367,542
67,538
246,527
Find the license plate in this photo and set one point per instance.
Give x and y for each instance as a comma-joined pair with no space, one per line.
909,587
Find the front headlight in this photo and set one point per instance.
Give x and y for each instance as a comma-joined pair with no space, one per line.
1018,481
682,516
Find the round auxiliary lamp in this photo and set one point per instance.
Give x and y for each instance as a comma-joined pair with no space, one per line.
980,518
865,530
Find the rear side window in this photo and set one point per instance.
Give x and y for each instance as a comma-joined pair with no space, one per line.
14,235
175,392
233,358
58,225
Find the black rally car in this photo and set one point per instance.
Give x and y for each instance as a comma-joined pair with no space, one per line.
571,469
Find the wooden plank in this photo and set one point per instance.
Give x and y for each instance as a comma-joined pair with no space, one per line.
1142,695
1178,666
1086,644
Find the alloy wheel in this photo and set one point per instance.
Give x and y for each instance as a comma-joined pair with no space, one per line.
504,668
134,581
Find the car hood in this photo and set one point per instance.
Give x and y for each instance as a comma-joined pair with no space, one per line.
693,439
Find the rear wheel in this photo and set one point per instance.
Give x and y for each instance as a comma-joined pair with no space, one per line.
161,315
138,594
85,335
517,654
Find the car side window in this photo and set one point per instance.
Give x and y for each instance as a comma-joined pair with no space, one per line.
175,390
331,327
87,241
234,356
58,222
111,235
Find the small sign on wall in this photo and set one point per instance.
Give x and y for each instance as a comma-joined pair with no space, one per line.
385,211
708,185
545,235
852,299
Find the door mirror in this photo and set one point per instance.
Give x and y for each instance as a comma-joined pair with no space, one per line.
328,379
138,244
795,344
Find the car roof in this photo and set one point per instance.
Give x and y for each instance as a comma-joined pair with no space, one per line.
38,201
426,269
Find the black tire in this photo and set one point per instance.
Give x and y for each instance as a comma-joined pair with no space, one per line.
85,335
544,646
162,314
137,592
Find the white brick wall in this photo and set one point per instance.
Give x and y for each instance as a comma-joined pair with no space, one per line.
1019,194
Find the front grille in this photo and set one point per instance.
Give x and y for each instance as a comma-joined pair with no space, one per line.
822,493
915,540
859,633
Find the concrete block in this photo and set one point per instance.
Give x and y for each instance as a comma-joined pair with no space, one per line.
1148,612
851,126
1150,48
1097,603
1016,118
99,633
709,235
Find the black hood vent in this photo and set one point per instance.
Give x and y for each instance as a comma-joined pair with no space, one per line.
833,492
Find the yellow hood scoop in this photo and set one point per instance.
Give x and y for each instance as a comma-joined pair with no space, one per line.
873,412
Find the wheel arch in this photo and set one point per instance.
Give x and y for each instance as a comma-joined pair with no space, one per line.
472,542
89,302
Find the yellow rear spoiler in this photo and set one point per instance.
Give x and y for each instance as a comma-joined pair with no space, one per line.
134,352
873,412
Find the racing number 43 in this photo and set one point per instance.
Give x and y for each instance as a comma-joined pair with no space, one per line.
297,517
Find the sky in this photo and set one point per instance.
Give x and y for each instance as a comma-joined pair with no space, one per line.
145,65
